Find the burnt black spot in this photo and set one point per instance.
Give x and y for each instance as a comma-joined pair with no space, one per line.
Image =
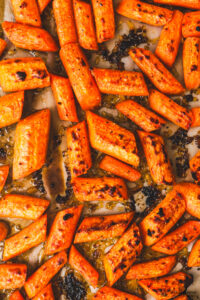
149,232
184,239
194,68
21,76
40,74
189,98
198,28
3,154
74,136
23,5
83,62
160,212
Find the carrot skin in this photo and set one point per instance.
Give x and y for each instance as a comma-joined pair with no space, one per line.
4,170
106,293
194,257
195,114
195,167
12,276
190,24
182,297
16,296
3,231
3,45
43,4
45,294
193,4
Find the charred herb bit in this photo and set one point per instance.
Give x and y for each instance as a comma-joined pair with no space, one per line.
37,181
180,138
72,287
152,194
197,140
182,162
3,154
189,98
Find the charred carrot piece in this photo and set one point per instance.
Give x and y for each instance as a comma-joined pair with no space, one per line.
157,158
169,109
156,71
3,176
20,206
118,168
38,280
45,294
195,166
27,238
3,231
193,4
151,269
144,12
16,296
80,264
85,25
82,81
12,276
104,189
123,253
104,19
78,149
102,227
3,45
31,142
65,23
190,24
29,37
170,39
17,74
63,229
42,5
27,12
162,218
167,287
195,113
106,293
112,139
194,257
120,82
182,297
143,117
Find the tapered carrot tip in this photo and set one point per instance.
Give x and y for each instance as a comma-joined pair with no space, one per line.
45,294
3,230
16,296
3,176
3,45
111,294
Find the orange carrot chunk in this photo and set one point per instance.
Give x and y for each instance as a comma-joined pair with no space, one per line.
195,167
106,293
193,4
4,170
195,114
42,5
3,45
182,297
16,296
45,294
12,276
190,25
3,231
194,257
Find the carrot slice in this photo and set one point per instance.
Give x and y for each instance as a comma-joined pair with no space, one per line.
4,170
106,293
3,45
143,117
190,25
193,4
195,166
122,255
195,112
38,280
82,81
12,276
45,294
31,141
120,82
63,229
182,297
102,227
78,149
42,5
162,218
112,139
16,296
155,71
194,257
3,231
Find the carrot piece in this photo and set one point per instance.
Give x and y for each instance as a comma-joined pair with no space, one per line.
182,297
16,296
162,218
20,206
194,257
156,71
4,170
3,231
193,4
195,166
85,25
12,276
104,189
45,294
195,112
170,39
63,229
151,269
3,45
78,149
103,227
31,141
157,158
82,81
29,37
144,12
17,74
143,117
120,82
43,4
38,280
118,168
112,139
65,23
190,24
167,287
122,255
104,19
80,264
106,293
169,109
27,12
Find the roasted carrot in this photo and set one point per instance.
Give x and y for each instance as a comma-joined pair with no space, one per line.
104,19
45,294
195,167
80,264
42,5
3,45
193,4
17,74
82,81
195,114
38,280
20,206
156,71
3,231
190,24
16,296
26,239
144,12
101,188
31,142
170,39
167,287
29,37
182,297
12,276
151,269
112,139
106,293
85,25
169,109
143,117
102,227
162,218
63,229
194,257
122,255
65,23
78,149
157,158
3,176
120,82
